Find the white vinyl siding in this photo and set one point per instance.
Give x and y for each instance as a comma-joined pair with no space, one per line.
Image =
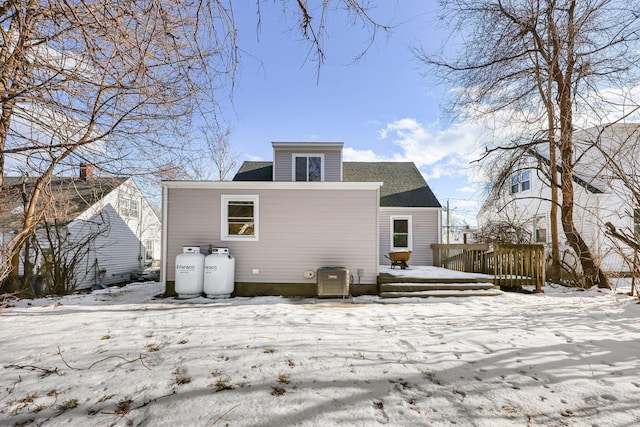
116,250
119,249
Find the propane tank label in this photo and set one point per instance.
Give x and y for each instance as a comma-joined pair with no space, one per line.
185,267
210,268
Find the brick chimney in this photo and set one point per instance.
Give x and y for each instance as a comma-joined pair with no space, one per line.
86,171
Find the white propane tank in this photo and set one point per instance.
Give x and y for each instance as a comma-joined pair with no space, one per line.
219,273
189,272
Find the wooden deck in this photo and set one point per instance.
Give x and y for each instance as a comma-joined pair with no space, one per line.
427,281
512,266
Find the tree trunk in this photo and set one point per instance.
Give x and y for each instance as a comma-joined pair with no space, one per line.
555,269
592,273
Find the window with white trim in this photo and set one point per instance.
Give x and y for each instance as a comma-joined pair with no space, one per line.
239,217
521,181
540,228
636,222
308,167
149,246
128,207
401,233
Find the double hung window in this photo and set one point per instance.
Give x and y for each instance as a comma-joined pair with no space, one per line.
540,228
521,181
239,217
401,233
128,207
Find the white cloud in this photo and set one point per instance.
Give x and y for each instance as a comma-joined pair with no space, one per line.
353,155
438,153
466,203
426,145
467,189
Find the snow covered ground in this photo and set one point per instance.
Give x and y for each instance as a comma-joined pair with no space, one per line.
120,357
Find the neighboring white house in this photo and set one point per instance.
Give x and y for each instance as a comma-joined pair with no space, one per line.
107,215
600,195
305,210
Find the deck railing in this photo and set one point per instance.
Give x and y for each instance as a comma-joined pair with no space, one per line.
470,258
511,265
518,265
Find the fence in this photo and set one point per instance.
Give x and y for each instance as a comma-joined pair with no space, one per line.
511,265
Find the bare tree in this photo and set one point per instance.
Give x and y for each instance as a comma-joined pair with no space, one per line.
63,253
118,83
504,232
614,151
212,157
542,65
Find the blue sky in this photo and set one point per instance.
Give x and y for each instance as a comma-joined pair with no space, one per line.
380,107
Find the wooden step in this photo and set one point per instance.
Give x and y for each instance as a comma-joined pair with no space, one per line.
443,293
385,278
451,289
419,287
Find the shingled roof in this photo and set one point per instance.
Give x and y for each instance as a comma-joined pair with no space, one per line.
69,196
403,184
255,171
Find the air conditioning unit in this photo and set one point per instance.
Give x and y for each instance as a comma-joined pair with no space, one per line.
333,282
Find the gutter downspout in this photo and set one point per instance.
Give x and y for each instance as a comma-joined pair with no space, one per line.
141,248
164,245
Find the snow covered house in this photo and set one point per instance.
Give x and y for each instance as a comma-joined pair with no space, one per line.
607,167
104,222
305,210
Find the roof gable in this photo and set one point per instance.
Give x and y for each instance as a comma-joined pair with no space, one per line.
255,171
67,199
592,168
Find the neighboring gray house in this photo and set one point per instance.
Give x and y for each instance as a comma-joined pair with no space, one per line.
109,214
307,209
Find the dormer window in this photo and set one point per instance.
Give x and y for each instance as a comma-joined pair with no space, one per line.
521,181
308,167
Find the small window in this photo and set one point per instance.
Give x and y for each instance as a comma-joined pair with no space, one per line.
308,167
515,183
525,180
148,248
540,228
636,222
401,232
521,181
128,207
239,218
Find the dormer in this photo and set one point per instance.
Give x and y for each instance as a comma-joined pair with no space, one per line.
307,161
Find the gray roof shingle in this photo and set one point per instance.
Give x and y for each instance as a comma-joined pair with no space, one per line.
403,184
69,197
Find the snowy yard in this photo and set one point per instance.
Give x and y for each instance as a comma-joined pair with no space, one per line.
120,357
